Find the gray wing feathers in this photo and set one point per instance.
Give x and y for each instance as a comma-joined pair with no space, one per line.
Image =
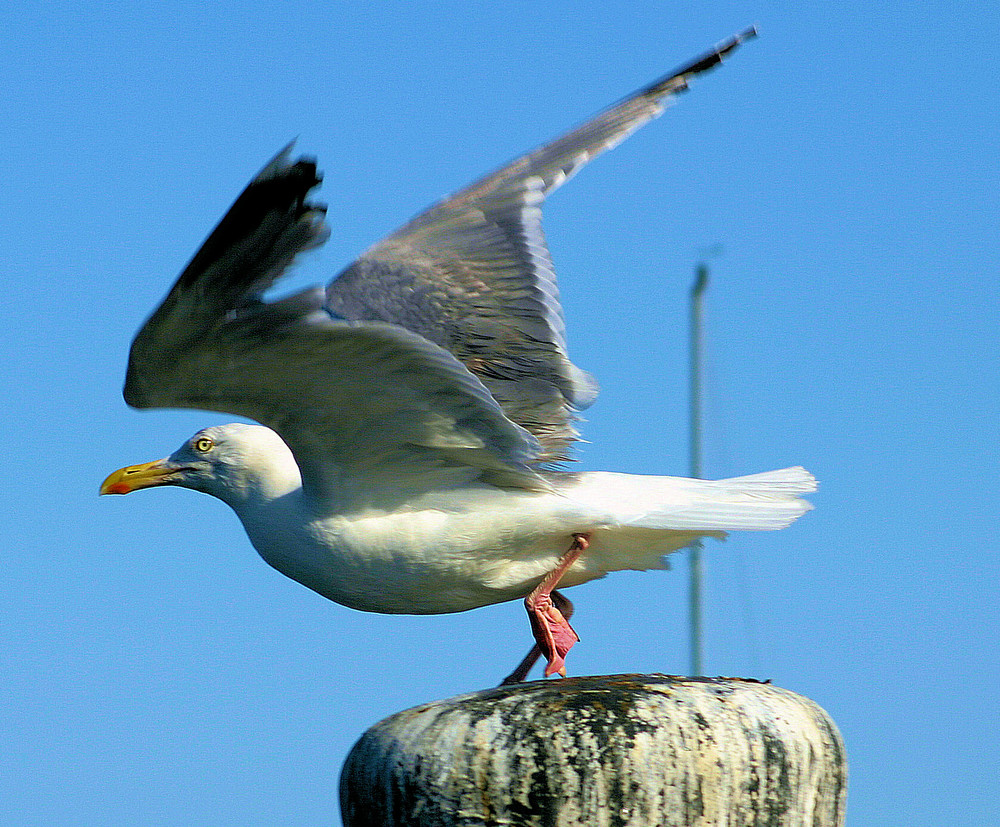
448,360
460,282
474,275
364,407
352,400
556,162
267,227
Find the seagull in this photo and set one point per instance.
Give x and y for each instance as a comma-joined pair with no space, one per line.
414,414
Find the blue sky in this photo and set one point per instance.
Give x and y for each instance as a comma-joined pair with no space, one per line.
156,671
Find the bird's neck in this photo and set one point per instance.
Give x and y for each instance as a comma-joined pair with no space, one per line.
261,485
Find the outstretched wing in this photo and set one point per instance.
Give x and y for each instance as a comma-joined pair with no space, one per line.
386,397
366,407
473,273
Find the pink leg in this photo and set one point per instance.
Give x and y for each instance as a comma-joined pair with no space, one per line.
564,605
550,627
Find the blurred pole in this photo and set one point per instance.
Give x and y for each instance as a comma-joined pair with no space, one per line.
697,568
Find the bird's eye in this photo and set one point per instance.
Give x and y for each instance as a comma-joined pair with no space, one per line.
203,445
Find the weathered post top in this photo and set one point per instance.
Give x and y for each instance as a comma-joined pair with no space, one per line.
618,750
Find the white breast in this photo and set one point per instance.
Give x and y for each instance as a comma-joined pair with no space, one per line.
481,547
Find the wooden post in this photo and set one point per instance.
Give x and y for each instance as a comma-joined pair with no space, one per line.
619,750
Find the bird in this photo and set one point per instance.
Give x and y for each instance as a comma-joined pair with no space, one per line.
411,420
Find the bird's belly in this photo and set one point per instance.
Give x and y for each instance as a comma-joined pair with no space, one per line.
428,561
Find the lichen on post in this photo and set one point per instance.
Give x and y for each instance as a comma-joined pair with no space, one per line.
621,751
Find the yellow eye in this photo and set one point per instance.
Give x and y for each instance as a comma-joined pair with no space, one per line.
203,445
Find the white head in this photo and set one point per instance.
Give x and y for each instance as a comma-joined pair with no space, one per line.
237,463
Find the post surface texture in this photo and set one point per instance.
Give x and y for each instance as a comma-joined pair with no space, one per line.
619,750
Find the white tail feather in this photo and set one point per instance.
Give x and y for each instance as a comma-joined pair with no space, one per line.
759,502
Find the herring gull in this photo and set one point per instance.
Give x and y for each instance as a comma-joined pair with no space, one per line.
413,412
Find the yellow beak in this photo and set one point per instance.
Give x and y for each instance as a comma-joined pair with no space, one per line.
134,477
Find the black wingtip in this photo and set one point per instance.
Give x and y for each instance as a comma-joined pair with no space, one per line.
677,81
714,57
282,187
279,167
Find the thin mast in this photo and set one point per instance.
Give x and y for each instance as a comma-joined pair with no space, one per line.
697,568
